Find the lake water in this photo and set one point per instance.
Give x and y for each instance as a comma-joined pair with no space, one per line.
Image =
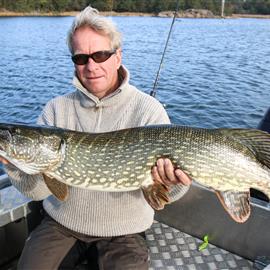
216,73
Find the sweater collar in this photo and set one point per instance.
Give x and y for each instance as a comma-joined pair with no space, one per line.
121,94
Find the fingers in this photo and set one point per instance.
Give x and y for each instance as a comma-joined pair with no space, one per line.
166,169
165,172
155,174
182,177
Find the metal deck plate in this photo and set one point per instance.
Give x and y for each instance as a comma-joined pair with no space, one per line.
199,212
171,249
13,205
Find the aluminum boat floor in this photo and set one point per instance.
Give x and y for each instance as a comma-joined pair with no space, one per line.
171,249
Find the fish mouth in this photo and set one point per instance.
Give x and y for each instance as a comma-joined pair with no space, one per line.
3,154
2,148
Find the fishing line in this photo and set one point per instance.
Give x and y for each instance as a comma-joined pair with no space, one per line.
154,90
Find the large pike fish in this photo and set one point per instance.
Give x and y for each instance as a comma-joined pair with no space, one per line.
230,161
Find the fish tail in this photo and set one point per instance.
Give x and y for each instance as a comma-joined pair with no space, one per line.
157,195
258,143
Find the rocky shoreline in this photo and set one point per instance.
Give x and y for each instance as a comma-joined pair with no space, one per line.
190,13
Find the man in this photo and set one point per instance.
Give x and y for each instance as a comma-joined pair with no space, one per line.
104,101
265,122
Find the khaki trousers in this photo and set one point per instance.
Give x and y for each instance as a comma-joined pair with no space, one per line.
51,246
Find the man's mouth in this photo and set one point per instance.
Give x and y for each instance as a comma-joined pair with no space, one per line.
94,77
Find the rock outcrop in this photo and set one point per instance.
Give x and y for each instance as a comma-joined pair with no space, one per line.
189,13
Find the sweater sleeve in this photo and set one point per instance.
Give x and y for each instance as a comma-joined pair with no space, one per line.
154,112
31,186
160,116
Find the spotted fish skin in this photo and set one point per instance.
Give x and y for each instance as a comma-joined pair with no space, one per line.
230,161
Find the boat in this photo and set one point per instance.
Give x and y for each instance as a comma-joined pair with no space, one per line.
192,233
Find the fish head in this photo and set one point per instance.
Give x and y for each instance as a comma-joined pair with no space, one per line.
5,139
31,150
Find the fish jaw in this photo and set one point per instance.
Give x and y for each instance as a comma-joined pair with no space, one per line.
31,166
32,152
9,153
28,168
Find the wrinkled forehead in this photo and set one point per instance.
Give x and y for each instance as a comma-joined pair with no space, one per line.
86,38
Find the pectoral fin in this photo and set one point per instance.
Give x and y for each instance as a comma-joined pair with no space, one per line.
58,189
236,204
157,195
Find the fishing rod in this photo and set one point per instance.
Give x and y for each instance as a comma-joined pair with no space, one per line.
154,91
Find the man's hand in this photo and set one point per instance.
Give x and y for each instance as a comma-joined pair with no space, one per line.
165,176
164,172
4,161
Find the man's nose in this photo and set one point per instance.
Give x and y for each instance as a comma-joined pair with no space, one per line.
91,64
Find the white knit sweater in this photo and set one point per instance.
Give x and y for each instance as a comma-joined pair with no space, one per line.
96,213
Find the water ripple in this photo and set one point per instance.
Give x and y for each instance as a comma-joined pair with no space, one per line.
215,72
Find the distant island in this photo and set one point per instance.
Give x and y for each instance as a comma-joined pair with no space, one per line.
161,8
189,13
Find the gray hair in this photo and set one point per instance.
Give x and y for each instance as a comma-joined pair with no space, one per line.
90,17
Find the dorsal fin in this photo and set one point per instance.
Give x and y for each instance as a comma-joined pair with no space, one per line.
255,140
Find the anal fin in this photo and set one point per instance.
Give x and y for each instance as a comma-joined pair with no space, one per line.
58,189
236,204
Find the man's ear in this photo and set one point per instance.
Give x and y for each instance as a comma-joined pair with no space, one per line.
119,57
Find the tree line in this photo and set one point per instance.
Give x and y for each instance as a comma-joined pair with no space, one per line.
149,6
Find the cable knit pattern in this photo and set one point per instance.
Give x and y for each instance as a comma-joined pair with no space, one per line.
96,213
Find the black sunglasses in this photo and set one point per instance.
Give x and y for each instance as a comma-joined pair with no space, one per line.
98,57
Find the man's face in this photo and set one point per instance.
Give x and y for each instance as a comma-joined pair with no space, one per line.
100,79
